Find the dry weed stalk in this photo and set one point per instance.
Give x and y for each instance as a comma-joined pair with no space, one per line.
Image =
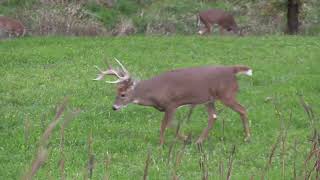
294,159
107,163
315,150
27,129
43,122
146,168
314,153
181,152
42,152
66,121
308,109
179,156
283,144
283,153
269,162
90,165
221,169
170,153
283,135
231,158
177,134
203,162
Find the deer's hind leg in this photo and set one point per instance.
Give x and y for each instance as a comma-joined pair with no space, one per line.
211,119
207,28
233,104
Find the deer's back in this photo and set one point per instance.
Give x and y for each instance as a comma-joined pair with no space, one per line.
12,26
217,16
192,85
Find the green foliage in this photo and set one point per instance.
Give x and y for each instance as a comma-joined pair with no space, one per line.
110,16
17,3
36,73
106,15
127,7
178,16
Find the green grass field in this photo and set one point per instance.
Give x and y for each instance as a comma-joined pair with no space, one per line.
37,73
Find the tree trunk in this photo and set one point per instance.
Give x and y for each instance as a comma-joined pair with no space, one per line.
293,16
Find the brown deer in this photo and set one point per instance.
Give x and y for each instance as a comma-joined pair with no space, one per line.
12,27
224,20
191,86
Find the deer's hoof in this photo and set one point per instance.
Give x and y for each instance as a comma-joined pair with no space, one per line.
247,139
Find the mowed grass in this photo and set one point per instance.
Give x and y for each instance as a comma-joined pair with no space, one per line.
37,73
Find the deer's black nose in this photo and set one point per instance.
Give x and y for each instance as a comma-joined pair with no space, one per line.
114,108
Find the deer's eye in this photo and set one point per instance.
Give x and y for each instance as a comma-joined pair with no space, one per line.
122,95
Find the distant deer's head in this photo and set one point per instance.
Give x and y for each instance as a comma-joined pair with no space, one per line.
125,85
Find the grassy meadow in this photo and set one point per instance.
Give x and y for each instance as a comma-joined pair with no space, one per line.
36,74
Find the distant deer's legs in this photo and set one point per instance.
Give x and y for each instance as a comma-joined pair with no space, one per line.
168,116
221,31
211,119
233,104
209,28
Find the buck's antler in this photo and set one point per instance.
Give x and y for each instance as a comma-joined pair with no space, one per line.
114,72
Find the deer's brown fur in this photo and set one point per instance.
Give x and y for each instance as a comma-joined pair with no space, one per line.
13,27
219,17
190,86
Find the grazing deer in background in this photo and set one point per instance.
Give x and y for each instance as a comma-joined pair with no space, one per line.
224,20
12,27
191,86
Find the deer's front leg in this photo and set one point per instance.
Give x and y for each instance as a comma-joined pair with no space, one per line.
211,119
168,116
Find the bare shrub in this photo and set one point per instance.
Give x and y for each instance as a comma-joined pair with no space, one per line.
107,3
51,18
260,18
124,27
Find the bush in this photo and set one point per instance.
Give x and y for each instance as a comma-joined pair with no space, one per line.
55,19
107,16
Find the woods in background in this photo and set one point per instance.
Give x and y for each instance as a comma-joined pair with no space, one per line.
149,17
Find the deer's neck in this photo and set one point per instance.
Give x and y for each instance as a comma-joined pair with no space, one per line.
141,94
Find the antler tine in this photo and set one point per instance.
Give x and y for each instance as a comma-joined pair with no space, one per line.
114,82
98,68
100,75
122,66
111,71
107,72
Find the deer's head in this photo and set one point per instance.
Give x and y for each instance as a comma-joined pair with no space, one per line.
125,85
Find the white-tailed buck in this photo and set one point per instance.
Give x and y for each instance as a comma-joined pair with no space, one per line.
212,17
11,27
191,86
